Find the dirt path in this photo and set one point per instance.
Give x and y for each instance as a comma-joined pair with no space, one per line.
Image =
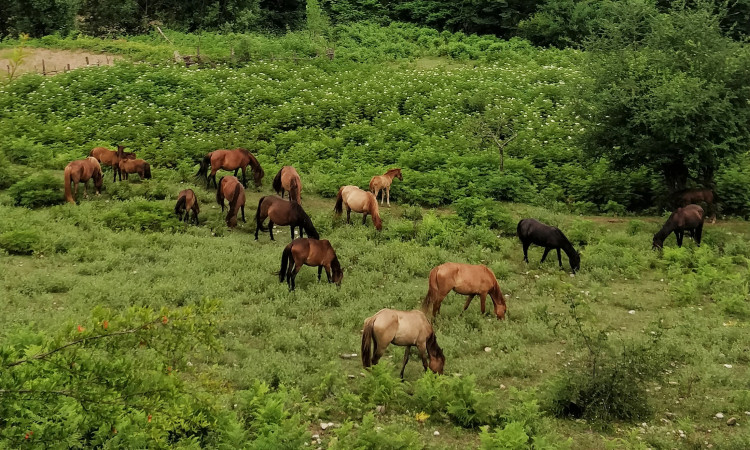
55,61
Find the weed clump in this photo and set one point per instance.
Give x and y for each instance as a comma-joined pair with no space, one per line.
19,242
37,191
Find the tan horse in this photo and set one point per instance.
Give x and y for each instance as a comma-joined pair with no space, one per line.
288,180
139,166
111,158
403,328
231,189
82,170
384,181
237,159
466,279
186,202
309,252
360,201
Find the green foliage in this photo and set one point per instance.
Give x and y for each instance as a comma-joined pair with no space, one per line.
369,436
19,242
140,215
484,213
37,190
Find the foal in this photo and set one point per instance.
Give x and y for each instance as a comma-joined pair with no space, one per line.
689,218
532,231
309,252
111,158
384,181
186,202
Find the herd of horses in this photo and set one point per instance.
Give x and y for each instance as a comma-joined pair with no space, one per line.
387,326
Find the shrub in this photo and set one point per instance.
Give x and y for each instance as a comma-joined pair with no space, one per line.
37,191
19,242
141,215
484,213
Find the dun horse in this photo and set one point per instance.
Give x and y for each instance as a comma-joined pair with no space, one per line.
282,212
111,158
695,196
139,166
360,201
405,329
236,159
466,279
82,170
689,218
287,179
383,182
309,252
231,189
186,202
531,231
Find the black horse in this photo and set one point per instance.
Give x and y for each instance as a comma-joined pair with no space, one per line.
689,218
532,231
282,212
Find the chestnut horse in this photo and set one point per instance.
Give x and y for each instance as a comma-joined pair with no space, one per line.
403,328
360,201
231,189
384,181
695,196
466,279
288,180
309,252
82,170
282,212
187,201
111,158
532,231
689,218
236,159
139,166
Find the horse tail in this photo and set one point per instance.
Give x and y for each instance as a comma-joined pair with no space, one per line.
181,204
375,211
220,194
258,220
68,191
286,257
277,182
367,342
146,171
339,207
203,169
431,289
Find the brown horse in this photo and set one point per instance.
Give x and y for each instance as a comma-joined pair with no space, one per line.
231,189
689,218
111,158
288,180
82,170
384,181
310,252
403,328
695,196
360,201
466,279
187,201
236,159
139,166
282,212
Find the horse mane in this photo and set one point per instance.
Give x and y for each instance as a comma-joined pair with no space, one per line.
181,202
306,221
336,265
496,294
390,171
277,181
258,172
433,349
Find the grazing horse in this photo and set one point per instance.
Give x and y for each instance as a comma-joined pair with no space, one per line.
384,181
82,170
405,329
310,252
282,212
236,159
466,279
231,189
532,231
111,158
287,179
139,166
187,201
695,196
689,218
360,201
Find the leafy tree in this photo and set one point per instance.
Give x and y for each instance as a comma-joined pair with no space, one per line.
37,17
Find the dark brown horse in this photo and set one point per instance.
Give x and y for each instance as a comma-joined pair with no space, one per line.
231,189
696,196
287,179
111,158
282,212
532,231
186,202
309,252
82,170
237,159
466,279
689,218
139,166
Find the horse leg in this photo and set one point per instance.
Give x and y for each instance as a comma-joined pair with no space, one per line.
289,272
422,348
559,258
292,228
270,228
294,275
407,353
320,272
544,256
242,208
526,251
482,301
388,191
75,189
364,218
468,301
244,177
328,273
86,189
235,172
678,235
698,235
348,214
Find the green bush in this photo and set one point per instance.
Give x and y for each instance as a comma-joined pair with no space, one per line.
485,213
19,242
140,215
37,190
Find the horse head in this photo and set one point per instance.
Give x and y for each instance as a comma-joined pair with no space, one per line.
575,262
657,244
437,358
399,176
337,271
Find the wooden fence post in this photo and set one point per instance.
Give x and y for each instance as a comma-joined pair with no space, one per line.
44,70
87,60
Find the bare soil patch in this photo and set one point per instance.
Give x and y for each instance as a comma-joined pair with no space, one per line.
50,62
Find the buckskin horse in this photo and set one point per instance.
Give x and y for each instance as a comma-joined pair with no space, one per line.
309,252
532,231
359,201
237,159
383,182
689,218
230,188
287,179
282,212
466,279
186,202
111,158
82,170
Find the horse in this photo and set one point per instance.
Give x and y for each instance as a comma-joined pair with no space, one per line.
310,252
236,159
690,219
695,196
384,181
82,170
466,279
531,231
405,329
287,179
187,201
231,189
139,166
360,201
282,212
111,158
